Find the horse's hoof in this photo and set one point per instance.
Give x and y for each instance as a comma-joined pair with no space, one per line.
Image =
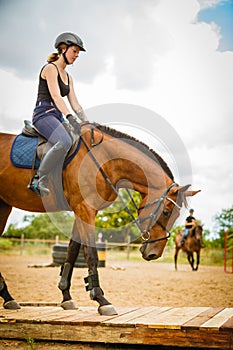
69,305
107,310
12,305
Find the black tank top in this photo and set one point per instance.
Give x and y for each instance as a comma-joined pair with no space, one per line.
43,90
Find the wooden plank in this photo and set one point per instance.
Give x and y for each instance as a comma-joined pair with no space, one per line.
96,318
175,337
218,320
47,318
90,316
172,318
36,314
125,335
79,317
204,316
129,317
228,325
47,331
25,313
39,304
57,315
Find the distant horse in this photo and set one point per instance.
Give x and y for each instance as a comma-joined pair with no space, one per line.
192,243
107,160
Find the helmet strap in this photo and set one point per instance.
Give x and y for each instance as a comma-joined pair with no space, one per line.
64,56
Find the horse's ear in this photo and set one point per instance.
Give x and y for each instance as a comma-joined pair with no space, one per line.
191,193
180,189
183,189
183,193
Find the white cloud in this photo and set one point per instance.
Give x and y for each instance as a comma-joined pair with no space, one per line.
207,3
17,101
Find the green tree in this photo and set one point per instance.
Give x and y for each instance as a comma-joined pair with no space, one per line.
43,226
223,223
115,222
13,232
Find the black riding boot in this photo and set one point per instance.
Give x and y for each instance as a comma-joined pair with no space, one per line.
40,181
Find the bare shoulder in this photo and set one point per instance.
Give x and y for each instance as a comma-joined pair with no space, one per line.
70,79
49,70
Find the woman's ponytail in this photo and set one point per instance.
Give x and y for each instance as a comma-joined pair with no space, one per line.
55,55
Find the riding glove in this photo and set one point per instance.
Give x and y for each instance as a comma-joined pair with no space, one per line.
74,123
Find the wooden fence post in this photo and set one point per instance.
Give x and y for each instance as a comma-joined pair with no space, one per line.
128,246
22,244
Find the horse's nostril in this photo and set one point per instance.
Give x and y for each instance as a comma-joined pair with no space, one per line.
152,257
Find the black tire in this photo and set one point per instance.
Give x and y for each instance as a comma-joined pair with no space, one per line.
60,251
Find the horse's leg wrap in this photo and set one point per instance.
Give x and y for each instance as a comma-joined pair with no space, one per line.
65,276
9,302
92,285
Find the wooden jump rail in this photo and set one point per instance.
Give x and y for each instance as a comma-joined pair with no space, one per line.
200,327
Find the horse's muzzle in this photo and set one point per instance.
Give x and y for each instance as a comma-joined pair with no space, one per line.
147,257
150,257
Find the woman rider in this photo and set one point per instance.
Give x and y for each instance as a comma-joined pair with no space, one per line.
54,84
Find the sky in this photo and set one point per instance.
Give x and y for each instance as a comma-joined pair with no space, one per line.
173,59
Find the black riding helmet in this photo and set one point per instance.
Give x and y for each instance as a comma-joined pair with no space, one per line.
69,39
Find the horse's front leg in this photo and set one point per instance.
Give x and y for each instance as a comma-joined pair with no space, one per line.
198,260
176,256
191,260
66,274
92,282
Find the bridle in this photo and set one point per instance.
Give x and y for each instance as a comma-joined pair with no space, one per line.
152,217
145,234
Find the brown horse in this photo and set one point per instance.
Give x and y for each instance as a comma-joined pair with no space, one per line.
192,243
107,160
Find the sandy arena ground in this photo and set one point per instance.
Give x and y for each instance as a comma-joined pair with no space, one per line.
134,283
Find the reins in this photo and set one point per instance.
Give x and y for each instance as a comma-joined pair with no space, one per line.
109,182
152,217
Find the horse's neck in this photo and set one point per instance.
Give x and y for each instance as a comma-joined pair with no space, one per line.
131,167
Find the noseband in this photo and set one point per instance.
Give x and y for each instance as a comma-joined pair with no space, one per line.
138,222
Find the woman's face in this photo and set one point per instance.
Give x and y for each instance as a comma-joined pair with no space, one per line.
72,53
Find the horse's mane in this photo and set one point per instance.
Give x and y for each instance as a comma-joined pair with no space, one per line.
139,145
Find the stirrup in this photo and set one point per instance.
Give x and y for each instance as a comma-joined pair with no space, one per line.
37,186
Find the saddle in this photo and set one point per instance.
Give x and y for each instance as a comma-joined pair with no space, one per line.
44,145
29,148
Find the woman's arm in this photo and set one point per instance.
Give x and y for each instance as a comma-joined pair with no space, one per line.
72,98
50,74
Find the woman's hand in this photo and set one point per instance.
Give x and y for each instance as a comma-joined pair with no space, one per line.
74,123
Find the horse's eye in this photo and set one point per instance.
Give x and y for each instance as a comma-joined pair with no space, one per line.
166,212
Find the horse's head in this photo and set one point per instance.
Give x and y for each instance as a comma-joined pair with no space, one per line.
157,218
198,233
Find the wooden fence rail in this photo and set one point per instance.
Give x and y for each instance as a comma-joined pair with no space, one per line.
125,250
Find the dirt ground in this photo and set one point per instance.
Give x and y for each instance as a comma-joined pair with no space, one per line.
125,283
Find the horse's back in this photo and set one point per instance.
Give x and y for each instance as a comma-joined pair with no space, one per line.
6,141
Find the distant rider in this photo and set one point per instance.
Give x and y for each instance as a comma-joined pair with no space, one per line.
190,223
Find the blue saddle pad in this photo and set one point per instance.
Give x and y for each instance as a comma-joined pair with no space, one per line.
23,152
